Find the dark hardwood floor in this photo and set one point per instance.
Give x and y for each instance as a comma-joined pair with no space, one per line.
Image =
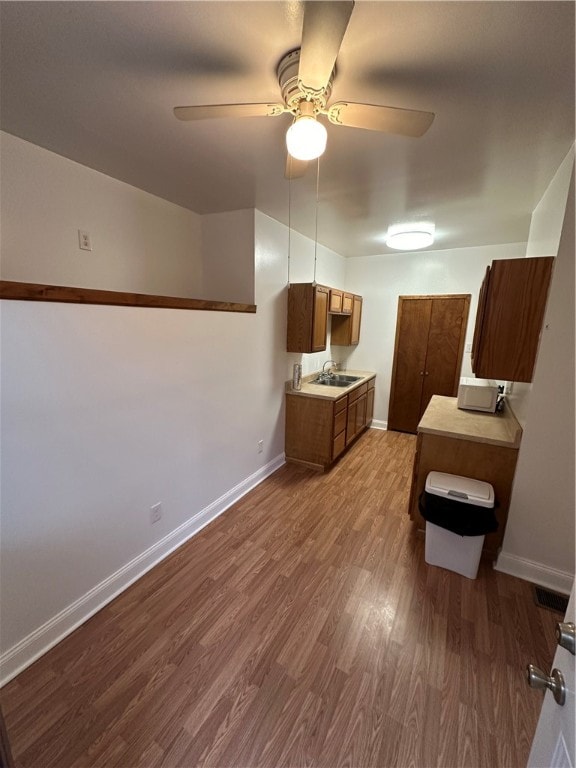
301,628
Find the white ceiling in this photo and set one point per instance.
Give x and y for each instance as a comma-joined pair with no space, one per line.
97,81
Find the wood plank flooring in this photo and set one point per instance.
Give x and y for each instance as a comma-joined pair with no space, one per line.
301,628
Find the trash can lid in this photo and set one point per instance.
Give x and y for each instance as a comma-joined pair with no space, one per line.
463,489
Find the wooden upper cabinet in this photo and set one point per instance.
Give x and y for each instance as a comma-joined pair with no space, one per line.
511,308
320,318
307,317
336,297
346,328
347,303
341,303
479,318
356,318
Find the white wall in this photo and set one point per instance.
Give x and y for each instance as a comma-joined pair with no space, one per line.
140,242
548,216
311,262
543,240
539,540
109,410
381,279
228,243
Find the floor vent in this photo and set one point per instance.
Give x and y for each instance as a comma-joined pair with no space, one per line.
545,598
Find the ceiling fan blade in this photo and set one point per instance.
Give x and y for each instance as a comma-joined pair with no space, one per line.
406,122
322,33
206,111
294,168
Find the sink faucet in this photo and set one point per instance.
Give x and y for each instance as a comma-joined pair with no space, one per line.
328,372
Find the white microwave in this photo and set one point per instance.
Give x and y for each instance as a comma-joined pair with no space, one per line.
477,395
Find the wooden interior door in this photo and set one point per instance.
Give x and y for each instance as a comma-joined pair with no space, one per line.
430,333
412,325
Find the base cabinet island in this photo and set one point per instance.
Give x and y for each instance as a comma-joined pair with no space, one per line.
483,446
322,421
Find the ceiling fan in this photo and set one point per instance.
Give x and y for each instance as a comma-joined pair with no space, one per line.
305,77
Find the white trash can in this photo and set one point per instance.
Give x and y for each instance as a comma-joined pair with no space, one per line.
463,512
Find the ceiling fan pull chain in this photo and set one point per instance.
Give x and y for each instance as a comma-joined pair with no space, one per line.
316,216
289,217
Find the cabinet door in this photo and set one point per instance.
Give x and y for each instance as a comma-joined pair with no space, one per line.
510,325
320,322
356,318
369,406
335,300
351,422
347,303
360,422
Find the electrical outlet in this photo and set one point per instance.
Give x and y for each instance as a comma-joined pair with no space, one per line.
260,446
84,240
155,513
468,347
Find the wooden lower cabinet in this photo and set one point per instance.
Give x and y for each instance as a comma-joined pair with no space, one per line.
370,402
356,421
494,464
318,430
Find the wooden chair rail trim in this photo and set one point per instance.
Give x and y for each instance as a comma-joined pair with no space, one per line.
39,292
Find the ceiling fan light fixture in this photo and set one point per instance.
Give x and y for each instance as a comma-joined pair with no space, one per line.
410,237
306,138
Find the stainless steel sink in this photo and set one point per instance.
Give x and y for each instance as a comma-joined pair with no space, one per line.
345,377
331,383
337,380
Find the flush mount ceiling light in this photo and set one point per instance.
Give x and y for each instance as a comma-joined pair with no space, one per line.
410,237
306,137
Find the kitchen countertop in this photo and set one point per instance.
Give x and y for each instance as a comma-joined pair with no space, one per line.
443,417
328,393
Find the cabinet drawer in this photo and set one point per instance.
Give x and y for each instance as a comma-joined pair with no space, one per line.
340,405
339,423
371,384
353,396
339,444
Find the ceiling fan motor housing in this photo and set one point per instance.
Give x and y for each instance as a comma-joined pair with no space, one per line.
292,92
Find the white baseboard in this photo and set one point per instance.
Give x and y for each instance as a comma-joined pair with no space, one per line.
38,642
376,424
537,573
